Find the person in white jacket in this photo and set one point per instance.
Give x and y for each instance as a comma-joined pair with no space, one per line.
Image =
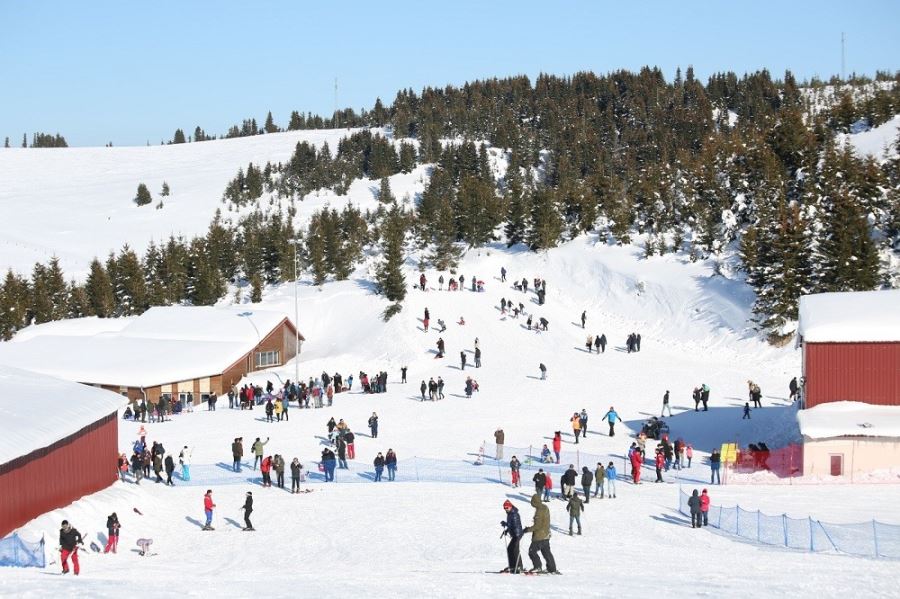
184,458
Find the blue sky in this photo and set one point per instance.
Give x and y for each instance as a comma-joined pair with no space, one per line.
132,72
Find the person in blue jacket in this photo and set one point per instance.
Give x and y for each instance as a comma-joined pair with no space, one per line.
611,417
611,480
512,526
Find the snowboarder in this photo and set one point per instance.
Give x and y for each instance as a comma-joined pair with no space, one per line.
575,507
540,537
611,418
746,415
587,478
208,507
665,405
69,540
112,531
512,526
694,505
248,509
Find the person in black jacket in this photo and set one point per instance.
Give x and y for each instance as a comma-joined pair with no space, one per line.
568,481
587,479
694,505
69,540
112,531
540,479
379,466
170,468
248,509
512,526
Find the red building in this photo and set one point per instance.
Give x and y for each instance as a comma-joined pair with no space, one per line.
851,347
58,442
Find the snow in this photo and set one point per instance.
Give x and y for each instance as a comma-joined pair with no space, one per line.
849,419
878,141
62,407
163,345
853,316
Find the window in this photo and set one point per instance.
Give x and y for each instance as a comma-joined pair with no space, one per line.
267,358
837,464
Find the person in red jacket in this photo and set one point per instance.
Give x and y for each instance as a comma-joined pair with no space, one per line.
557,444
266,469
660,463
704,507
636,466
208,506
548,484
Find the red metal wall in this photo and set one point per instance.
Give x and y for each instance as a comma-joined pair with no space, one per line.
866,372
55,476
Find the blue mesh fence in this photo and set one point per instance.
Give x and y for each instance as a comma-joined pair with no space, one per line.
16,552
866,539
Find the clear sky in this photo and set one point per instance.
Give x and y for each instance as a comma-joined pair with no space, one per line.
131,72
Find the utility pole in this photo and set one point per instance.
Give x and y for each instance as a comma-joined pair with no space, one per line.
336,122
843,62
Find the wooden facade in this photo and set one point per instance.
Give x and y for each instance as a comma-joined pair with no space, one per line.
863,371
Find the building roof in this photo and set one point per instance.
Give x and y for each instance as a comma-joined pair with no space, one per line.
36,411
163,345
849,419
857,316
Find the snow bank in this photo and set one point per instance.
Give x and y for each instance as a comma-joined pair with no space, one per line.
852,316
37,411
849,419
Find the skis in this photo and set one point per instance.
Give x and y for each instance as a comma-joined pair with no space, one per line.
523,572
245,529
207,528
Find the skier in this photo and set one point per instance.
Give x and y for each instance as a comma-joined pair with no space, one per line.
248,509
666,405
611,480
69,540
543,370
694,505
373,425
514,466
575,507
587,478
208,506
112,531
611,418
583,318
512,526
540,537
257,449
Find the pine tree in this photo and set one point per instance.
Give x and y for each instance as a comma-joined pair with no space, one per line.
518,208
129,285
14,300
178,138
24,140
444,253
6,142
143,195
56,289
384,194
165,190
270,126
256,285
77,303
315,252
390,276
546,222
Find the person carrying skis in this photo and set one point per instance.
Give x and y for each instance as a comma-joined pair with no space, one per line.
575,506
248,509
208,507
611,416
512,526
69,540
540,537
112,533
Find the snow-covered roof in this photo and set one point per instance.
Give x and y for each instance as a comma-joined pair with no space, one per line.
849,419
163,345
850,316
37,411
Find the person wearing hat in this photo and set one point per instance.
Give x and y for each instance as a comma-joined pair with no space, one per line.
248,509
512,526
112,530
208,506
540,536
69,540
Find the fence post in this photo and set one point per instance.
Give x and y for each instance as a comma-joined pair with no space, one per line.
499,473
812,545
758,526
530,453
416,461
827,536
578,458
784,526
875,536
15,545
737,519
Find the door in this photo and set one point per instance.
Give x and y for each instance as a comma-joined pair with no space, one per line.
837,464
